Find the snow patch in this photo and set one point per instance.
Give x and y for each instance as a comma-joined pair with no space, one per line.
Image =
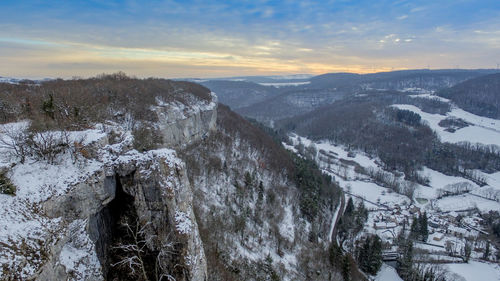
287,84
78,256
387,273
476,271
287,226
183,223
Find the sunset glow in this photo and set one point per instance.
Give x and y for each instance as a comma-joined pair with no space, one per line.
223,38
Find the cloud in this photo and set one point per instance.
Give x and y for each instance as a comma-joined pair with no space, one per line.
418,9
73,38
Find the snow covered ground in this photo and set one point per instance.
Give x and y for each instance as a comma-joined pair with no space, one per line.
475,271
387,273
458,202
337,150
373,192
285,84
337,161
26,234
466,201
427,95
482,129
493,180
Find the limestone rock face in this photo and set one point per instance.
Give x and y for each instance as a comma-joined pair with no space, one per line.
162,200
84,215
180,126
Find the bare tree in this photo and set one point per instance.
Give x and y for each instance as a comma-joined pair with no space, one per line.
134,254
14,137
132,258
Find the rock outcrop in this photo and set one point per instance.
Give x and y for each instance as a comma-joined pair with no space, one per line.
102,199
180,125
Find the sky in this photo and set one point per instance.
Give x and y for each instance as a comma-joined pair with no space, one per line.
196,38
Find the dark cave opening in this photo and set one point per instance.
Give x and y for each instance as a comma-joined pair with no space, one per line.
121,245
128,256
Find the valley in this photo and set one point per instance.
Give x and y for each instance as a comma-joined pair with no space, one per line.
345,180
457,203
166,140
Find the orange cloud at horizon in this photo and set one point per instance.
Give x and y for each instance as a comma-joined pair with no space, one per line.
37,59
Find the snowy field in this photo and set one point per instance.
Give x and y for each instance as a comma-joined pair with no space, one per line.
493,180
437,180
387,273
373,192
285,84
428,95
338,150
482,129
459,202
475,271
466,201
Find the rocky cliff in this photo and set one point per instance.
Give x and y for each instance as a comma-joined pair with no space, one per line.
250,207
101,210
152,185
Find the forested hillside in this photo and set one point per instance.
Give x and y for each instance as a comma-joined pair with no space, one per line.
237,94
267,103
402,142
480,96
265,213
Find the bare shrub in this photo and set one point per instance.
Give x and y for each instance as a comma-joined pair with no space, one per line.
14,138
6,187
47,145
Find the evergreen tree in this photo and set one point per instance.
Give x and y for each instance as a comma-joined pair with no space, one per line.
335,255
424,228
260,194
360,217
487,250
361,253
349,207
369,254
467,251
48,106
346,268
272,275
362,212
261,190
375,256
248,179
401,238
405,262
414,228
419,228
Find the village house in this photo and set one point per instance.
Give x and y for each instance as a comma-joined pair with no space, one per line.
384,225
414,210
461,232
438,237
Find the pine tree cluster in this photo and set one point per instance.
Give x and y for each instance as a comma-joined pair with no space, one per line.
419,228
369,254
